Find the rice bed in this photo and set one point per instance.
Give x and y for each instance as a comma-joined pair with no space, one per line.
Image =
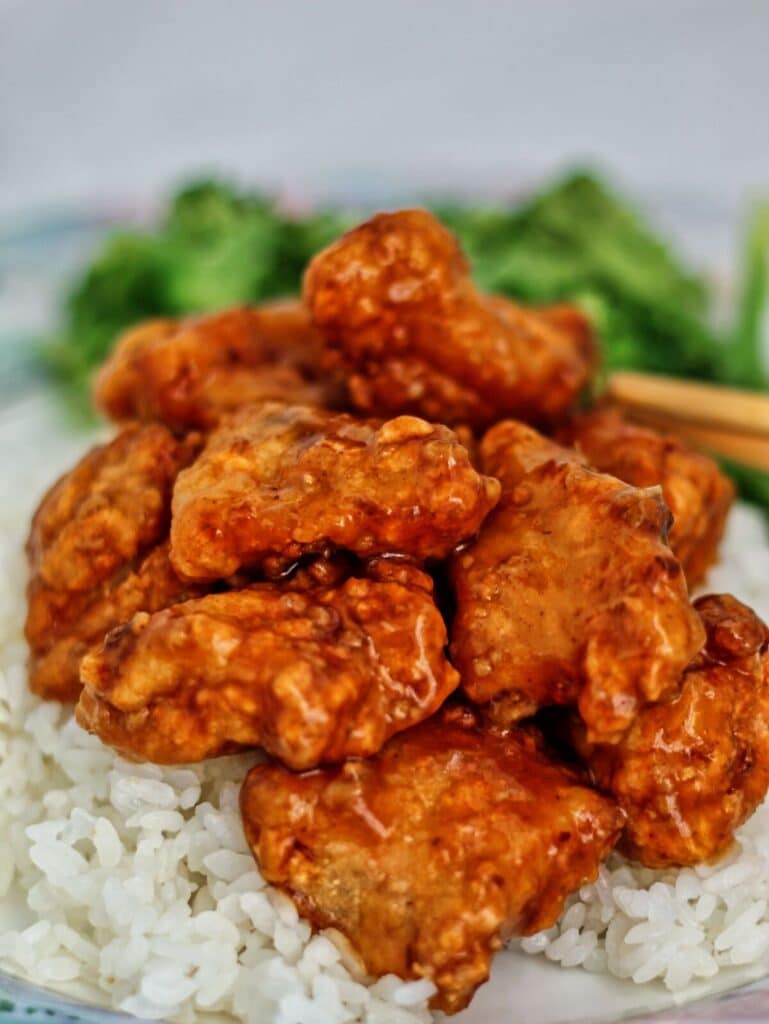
136,889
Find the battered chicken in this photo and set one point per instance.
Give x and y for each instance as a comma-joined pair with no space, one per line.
429,855
275,482
92,551
572,321
403,319
698,494
691,770
569,595
312,676
152,585
187,373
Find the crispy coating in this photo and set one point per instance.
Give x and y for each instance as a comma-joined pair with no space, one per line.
698,494
691,770
275,482
569,595
572,321
188,373
403,319
90,549
314,572
431,854
150,586
311,675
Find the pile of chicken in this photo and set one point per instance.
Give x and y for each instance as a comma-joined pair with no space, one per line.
330,529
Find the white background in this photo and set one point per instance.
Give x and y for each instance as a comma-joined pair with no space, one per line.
115,98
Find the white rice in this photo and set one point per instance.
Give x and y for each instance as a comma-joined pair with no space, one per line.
685,925
135,887
132,885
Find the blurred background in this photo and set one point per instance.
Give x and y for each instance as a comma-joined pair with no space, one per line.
486,109
108,106
102,99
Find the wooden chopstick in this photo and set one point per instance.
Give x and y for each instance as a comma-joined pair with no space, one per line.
725,421
748,449
731,408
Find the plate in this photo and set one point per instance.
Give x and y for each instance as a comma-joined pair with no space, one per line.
522,987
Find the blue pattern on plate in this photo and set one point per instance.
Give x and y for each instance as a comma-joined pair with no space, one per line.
22,1003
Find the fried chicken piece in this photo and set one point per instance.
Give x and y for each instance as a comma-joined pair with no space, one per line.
430,855
311,675
275,482
152,585
691,770
698,494
188,373
92,551
569,595
403,319
572,321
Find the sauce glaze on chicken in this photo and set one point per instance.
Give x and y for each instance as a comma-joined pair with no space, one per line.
289,578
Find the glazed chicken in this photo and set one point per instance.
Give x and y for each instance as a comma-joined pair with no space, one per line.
698,494
275,482
570,594
692,769
284,578
431,854
310,675
74,628
188,373
403,320
96,552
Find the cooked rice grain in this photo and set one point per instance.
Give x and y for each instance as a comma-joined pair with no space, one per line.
138,891
135,883
681,926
